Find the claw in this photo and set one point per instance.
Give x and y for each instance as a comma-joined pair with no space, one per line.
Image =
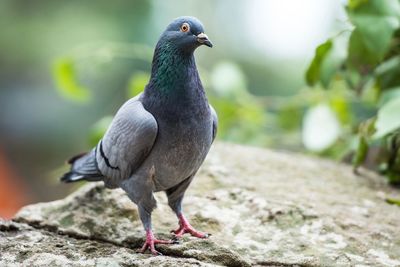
151,241
185,227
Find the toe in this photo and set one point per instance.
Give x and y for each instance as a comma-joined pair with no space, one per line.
144,248
198,234
206,235
158,241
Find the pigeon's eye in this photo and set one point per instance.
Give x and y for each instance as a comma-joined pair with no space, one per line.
185,27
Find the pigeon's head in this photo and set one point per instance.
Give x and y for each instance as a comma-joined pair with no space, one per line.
186,34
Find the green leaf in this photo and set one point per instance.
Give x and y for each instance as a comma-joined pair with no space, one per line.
334,59
388,73
328,60
67,83
375,22
388,119
393,201
389,95
137,83
361,153
372,36
377,7
356,3
313,72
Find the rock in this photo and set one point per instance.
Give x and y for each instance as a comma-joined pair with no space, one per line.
262,207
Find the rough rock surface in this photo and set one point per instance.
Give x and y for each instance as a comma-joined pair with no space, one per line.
262,207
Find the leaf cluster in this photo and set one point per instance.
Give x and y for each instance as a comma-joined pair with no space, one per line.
366,57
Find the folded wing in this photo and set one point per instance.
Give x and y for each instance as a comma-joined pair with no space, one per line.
127,142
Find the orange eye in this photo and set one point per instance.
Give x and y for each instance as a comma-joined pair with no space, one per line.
185,27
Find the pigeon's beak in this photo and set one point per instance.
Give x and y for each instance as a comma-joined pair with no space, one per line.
202,38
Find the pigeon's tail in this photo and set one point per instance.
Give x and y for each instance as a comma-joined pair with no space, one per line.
83,167
71,177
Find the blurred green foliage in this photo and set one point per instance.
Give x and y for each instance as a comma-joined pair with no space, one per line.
369,68
137,83
67,81
393,201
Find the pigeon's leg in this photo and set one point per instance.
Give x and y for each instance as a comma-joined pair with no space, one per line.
142,195
175,197
151,241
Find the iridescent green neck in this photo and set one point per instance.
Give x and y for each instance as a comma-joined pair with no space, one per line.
172,69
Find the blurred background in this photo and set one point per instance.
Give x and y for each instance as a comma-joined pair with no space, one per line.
66,67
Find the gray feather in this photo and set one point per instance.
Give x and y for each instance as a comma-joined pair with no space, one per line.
84,167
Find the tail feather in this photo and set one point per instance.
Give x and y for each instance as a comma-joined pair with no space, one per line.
83,167
70,177
76,157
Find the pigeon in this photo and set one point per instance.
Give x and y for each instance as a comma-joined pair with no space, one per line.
158,139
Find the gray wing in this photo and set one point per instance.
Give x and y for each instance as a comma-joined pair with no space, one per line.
215,122
127,142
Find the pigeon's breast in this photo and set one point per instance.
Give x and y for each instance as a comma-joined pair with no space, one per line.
180,149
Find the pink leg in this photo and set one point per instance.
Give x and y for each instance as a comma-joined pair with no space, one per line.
185,227
151,241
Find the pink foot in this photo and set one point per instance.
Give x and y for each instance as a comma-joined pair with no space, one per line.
185,227
151,241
